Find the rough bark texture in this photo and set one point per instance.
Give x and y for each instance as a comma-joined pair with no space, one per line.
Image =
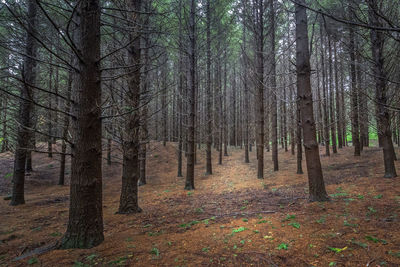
273,93
315,178
25,109
355,129
377,41
85,224
61,178
208,95
189,184
131,140
338,108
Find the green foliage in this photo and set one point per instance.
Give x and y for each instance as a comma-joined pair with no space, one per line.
80,264
396,254
32,261
199,210
295,225
332,263
289,217
155,251
283,246
240,229
188,225
321,220
375,240
337,250
378,196
8,175
55,234
358,243
205,249
346,223
120,261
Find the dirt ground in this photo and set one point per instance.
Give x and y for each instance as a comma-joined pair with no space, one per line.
230,219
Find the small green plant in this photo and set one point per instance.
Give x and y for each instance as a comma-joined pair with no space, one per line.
80,264
56,234
337,250
283,246
199,210
321,220
188,225
360,196
346,223
396,254
91,257
332,263
190,193
358,243
375,240
371,210
245,220
32,261
240,229
243,208
8,175
289,217
378,196
155,251
205,249
295,225
147,225
262,221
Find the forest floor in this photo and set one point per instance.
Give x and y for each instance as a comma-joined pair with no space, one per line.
231,218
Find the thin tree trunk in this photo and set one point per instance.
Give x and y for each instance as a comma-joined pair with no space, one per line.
338,108
315,178
355,131
189,184
208,94
25,109
273,93
377,47
131,138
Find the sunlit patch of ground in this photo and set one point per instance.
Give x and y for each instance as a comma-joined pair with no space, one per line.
231,218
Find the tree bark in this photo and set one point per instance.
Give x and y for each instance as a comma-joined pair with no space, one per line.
85,224
273,93
25,108
355,130
189,184
315,178
208,95
131,139
377,47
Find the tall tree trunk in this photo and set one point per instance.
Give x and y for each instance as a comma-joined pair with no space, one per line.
315,178
144,133
208,95
324,96
131,138
338,108
85,224
246,99
377,47
331,99
355,130
25,108
189,184
298,139
273,93
61,178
